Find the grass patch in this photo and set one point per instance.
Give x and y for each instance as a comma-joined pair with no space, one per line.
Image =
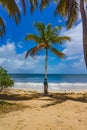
6,107
2,103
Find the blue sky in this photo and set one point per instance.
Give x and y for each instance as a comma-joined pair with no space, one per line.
13,46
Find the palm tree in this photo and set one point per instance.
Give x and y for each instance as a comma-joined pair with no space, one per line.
48,36
70,9
13,11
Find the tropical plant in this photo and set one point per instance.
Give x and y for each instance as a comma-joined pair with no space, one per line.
70,9
47,36
13,11
5,79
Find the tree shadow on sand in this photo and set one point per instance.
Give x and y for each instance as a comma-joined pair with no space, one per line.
54,98
18,97
57,98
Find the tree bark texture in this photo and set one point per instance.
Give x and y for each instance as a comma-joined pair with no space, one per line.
84,24
45,75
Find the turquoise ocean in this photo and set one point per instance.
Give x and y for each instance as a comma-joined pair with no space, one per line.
56,82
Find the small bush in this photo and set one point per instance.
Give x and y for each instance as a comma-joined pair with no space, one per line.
5,79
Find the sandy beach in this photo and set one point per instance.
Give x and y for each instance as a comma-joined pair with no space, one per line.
30,110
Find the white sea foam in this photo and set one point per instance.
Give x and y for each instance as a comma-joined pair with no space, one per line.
52,86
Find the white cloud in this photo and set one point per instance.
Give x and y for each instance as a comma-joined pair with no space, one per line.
75,47
7,50
16,63
74,51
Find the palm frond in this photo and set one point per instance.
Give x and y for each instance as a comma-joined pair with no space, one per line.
40,28
51,32
55,1
33,5
61,39
2,27
68,8
29,52
49,26
61,7
34,50
64,38
57,28
48,30
33,37
44,3
39,47
72,9
57,52
12,9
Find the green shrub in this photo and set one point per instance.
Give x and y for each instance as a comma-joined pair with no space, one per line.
5,79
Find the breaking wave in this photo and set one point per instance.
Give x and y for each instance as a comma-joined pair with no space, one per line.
52,86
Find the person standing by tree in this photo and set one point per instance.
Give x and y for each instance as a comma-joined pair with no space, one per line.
46,38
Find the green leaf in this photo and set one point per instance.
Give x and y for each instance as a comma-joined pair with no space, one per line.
12,9
57,52
44,3
33,37
5,79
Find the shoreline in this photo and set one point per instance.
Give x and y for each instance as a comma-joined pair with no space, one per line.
26,90
52,87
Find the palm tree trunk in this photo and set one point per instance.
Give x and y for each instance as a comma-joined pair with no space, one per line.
84,24
46,62
45,74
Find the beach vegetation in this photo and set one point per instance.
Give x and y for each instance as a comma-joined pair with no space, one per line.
5,79
70,10
6,107
45,39
12,8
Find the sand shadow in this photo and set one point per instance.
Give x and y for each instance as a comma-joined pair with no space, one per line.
62,97
18,97
54,98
